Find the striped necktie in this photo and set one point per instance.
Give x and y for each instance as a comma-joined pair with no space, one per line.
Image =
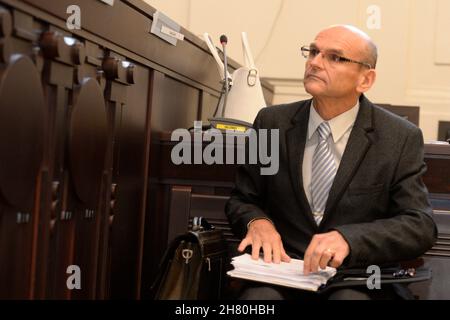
323,172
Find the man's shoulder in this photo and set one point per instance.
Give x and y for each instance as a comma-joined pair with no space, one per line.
386,119
282,112
290,108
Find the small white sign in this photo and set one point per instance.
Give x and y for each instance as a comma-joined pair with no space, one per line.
165,28
172,33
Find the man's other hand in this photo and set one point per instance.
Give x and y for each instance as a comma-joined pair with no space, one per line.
262,234
325,249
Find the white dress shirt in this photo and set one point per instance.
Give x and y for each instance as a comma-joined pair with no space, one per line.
341,127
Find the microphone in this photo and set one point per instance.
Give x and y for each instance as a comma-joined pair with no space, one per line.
224,41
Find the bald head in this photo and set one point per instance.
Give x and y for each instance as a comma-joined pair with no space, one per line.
368,48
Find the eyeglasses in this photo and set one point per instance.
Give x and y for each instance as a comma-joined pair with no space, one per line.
331,58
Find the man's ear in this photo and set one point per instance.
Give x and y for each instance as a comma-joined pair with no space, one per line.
367,80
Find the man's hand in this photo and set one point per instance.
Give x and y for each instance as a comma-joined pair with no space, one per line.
262,234
325,249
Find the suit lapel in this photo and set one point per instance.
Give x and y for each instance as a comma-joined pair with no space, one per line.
357,147
295,143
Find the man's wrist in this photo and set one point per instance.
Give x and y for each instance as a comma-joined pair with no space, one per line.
259,218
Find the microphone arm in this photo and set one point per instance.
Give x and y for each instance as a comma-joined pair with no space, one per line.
224,41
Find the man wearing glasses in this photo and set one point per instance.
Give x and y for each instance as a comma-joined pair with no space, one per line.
349,191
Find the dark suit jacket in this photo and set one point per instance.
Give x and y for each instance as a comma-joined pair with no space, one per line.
378,201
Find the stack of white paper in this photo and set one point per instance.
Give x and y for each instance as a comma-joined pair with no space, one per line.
284,274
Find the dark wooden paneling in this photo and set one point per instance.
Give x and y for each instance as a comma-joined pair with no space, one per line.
115,26
437,177
444,131
208,106
130,174
76,134
22,139
175,106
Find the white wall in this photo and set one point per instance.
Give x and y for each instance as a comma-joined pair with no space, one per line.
413,40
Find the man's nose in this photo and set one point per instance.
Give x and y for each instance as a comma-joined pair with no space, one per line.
317,61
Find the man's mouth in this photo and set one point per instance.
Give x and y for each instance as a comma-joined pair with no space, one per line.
314,77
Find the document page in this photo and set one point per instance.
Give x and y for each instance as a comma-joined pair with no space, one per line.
283,274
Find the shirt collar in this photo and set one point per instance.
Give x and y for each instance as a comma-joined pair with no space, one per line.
339,125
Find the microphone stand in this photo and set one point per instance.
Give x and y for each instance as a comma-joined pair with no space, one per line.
223,41
223,123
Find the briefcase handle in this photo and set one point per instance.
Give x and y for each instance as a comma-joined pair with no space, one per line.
200,223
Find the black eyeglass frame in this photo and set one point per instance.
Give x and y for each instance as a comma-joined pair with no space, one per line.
306,51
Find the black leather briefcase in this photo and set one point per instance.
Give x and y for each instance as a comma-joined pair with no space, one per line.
193,265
